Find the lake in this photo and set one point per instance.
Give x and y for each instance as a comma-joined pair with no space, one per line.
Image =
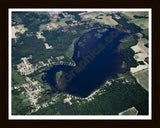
97,57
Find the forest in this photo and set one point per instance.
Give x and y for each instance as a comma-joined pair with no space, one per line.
117,97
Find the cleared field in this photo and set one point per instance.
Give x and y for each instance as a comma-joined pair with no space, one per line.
138,68
18,28
99,17
106,20
89,15
141,52
142,22
39,36
62,22
129,15
141,43
132,14
142,78
130,111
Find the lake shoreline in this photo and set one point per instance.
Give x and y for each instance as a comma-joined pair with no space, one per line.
87,78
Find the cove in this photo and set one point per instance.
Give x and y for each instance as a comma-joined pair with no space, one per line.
106,64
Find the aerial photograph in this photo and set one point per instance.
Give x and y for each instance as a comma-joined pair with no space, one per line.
79,62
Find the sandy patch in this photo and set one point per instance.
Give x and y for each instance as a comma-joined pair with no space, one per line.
139,68
68,100
60,58
48,46
39,36
141,52
18,28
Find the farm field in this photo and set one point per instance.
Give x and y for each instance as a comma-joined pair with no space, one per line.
142,78
132,14
142,22
130,111
106,20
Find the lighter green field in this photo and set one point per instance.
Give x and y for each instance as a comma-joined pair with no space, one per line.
143,23
142,78
17,79
58,76
130,15
130,111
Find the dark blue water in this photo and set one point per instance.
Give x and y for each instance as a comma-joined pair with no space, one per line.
96,62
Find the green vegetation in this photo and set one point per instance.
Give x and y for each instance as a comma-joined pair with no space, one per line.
127,26
117,97
60,41
76,16
142,77
125,16
147,60
30,46
127,53
147,45
125,50
123,65
69,53
31,20
61,15
20,103
58,76
123,93
141,63
45,96
145,33
141,22
68,22
128,42
38,77
17,79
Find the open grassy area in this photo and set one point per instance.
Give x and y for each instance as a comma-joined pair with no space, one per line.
127,42
142,22
130,15
145,33
39,77
58,76
142,78
106,20
123,65
17,79
69,53
20,104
